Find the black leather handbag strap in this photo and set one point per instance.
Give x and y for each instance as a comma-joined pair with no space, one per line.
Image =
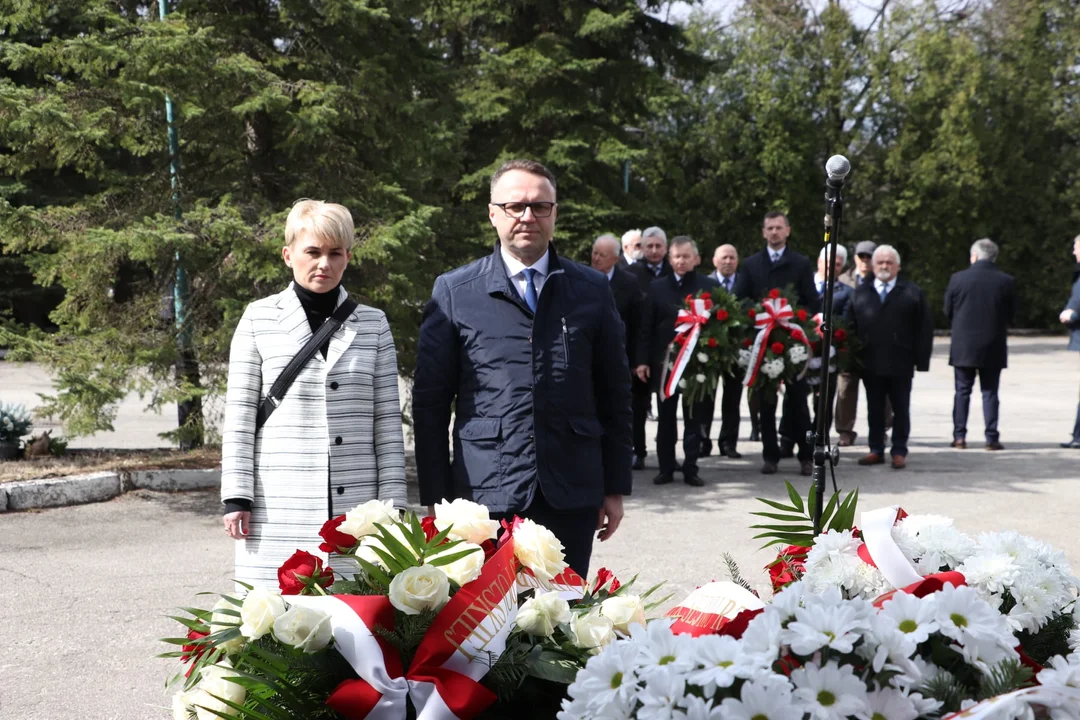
270,403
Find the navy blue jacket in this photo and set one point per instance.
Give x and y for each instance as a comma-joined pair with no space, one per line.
1074,326
542,399
758,275
980,303
897,336
841,297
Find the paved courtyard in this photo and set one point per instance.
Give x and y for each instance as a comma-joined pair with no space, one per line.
84,591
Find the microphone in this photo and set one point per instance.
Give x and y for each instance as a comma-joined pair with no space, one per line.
837,169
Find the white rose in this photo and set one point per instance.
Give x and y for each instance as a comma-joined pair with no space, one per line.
421,588
702,357
361,520
463,570
700,378
304,628
471,521
541,614
538,549
682,384
181,704
215,684
592,631
261,607
220,621
623,611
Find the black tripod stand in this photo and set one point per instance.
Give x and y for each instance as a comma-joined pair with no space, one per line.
837,168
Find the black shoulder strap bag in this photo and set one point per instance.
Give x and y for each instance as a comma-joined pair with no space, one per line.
270,403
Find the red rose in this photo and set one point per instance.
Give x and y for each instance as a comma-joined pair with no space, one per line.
840,335
712,342
784,572
508,530
302,571
603,575
752,313
747,343
689,299
707,304
774,293
489,547
335,540
195,650
815,346
801,315
721,314
777,348
430,531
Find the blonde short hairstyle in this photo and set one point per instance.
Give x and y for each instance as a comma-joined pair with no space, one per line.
329,222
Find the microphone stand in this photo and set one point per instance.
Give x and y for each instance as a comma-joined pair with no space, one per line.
819,436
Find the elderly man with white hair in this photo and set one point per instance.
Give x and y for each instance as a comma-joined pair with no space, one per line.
892,319
842,294
631,248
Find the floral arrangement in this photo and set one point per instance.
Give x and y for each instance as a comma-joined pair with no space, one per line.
429,624
14,422
780,348
987,630
706,344
843,351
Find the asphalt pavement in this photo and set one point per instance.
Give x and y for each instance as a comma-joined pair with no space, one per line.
85,590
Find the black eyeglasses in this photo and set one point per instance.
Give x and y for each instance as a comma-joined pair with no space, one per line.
517,209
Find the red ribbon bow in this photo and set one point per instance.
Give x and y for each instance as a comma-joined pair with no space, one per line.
777,312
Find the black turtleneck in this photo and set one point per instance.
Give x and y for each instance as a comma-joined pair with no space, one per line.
318,307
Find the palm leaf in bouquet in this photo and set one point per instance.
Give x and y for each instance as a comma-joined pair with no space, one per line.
794,521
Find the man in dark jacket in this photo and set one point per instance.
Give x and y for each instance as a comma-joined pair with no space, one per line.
840,300
630,302
780,267
980,303
527,348
1070,317
654,264
726,262
892,319
667,296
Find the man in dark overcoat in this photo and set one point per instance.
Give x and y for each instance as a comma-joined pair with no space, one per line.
1070,317
892,320
980,303
526,350
778,266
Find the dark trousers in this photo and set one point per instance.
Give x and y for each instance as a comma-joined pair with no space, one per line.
705,419
828,406
755,413
574,528
989,379
896,390
798,421
731,412
640,400
667,434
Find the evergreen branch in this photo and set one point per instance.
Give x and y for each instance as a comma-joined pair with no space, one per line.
734,573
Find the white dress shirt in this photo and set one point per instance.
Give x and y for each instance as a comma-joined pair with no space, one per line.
728,283
515,266
775,255
887,287
610,274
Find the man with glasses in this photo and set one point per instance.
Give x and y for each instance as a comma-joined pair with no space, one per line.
527,350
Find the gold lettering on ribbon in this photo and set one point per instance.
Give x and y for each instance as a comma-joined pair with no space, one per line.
483,620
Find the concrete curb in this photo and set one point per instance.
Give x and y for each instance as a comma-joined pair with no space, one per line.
98,487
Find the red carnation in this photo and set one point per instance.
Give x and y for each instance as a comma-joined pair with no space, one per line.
335,540
430,531
702,295
689,299
194,651
300,572
783,572
801,315
721,314
747,343
840,335
603,575
752,313
707,304
777,348
774,293
712,342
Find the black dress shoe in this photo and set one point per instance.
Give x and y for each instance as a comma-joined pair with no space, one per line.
693,480
663,479
1072,445
806,468
755,436
705,450
768,468
731,453
639,463
994,446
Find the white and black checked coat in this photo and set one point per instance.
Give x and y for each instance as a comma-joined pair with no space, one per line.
333,443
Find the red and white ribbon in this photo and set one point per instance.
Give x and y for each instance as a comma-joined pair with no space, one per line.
687,331
568,584
462,644
776,312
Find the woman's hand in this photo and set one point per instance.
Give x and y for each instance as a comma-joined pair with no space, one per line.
237,524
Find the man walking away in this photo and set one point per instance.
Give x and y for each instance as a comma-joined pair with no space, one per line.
980,303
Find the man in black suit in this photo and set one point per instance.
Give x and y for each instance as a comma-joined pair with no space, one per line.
667,296
652,265
980,303
841,298
893,321
630,302
1070,318
726,262
778,266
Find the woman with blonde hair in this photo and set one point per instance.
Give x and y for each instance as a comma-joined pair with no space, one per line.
295,454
